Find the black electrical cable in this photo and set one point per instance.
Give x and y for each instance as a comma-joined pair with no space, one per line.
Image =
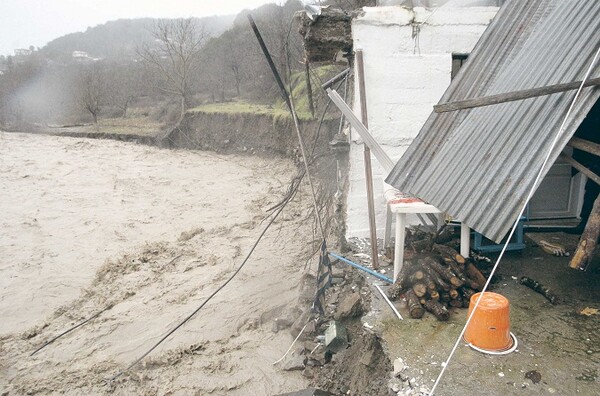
70,330
190,316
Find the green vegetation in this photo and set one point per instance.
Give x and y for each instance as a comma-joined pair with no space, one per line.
318,76
243,107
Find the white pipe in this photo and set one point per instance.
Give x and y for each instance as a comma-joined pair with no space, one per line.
387,300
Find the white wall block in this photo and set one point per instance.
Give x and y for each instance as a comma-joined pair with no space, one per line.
404,78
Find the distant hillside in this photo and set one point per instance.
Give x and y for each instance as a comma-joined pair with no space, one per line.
117,40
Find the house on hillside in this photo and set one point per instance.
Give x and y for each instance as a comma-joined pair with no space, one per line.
22,52
83,57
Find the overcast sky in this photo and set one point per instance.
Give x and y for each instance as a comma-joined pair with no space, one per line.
35,22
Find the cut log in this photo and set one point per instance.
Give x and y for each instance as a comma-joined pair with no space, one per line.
465,303
434,295
588,241
437,309
401,282
538,287
448,253
445,297
422,245
467,293
476,275
429,283
417,276
459,270
444,234
453,294
444,272
434,276
419,289
414,306
456,303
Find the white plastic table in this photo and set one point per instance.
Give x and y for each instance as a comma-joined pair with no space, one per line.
402,204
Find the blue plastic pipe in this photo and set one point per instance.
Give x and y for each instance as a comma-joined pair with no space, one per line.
360,267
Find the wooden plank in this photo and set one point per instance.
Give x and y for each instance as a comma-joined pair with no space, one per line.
580,168
367,159
512,96
384,160
585,145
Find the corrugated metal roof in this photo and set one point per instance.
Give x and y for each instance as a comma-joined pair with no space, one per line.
479,164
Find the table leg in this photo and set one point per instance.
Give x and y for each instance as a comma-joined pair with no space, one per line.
399,245
465,240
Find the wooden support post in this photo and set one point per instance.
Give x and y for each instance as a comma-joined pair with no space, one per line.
580,168
589,239
367,158
512,96
585,145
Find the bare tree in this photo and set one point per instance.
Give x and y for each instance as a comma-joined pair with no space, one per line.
124,83
92,90
175,55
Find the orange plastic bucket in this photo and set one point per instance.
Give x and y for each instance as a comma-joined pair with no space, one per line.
489,328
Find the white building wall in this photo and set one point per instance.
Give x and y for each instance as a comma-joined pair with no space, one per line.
404,78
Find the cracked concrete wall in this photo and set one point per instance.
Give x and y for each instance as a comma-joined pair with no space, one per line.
408,59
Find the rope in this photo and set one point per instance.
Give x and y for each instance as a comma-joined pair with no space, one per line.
71,329
514,227
291,346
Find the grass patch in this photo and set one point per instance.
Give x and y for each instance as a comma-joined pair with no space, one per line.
243,107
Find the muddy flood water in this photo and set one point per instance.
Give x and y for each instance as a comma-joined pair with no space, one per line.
91,224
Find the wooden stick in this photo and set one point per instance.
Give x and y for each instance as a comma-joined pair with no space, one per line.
512,96
585,145
538,287
589,238
367,159
580,168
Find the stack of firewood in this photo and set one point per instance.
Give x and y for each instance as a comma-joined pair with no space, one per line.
437,280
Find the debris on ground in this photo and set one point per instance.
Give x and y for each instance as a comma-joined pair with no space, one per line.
534,376
587,311
538,287
554,249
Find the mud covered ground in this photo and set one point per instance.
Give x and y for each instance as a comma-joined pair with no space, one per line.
149,233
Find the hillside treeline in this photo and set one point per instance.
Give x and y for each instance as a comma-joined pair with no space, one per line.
150,68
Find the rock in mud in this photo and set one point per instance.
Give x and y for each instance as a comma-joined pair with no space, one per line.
399,367
294,363
349,307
